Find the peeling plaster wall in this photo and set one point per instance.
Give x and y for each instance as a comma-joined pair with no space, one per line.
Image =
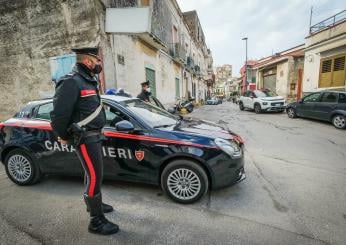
30,33
282,79
137,57
294,65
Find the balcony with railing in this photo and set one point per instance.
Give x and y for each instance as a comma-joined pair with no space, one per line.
178,52
329,22
134,21
197,70
190,64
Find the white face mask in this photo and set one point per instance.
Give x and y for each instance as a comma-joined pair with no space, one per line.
148,90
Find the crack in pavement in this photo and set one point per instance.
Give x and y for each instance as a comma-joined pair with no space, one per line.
304,165
297,221
268,225
22,229
207,209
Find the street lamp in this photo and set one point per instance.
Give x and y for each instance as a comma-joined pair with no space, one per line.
244,82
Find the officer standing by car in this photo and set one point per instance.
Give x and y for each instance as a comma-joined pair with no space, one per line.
145,93
78,116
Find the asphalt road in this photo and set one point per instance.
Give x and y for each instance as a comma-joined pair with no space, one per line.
294,194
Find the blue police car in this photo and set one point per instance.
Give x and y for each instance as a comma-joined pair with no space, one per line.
144,143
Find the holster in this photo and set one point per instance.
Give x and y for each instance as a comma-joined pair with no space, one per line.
77,133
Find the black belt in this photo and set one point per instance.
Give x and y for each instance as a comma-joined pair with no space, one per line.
92,133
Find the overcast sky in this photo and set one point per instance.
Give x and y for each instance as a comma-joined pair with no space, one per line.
271,25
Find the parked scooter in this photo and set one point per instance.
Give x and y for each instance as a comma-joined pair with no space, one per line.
180,105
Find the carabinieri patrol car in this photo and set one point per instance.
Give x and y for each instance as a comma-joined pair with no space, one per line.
144,143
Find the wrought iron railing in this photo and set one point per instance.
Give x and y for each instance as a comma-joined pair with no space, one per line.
176,50
329,22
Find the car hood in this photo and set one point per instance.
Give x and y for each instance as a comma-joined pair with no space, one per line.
203,128
272,98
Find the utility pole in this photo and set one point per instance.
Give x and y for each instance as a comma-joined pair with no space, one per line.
310,19
245,80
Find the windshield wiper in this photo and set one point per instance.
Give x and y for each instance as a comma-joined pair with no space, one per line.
164,126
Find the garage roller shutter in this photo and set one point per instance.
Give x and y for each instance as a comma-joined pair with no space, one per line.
339,72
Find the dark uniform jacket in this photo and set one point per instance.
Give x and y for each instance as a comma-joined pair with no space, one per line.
144,95
76,97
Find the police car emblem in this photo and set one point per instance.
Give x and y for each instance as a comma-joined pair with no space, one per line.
139,155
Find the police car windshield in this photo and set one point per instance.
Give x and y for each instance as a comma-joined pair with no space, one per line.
152,115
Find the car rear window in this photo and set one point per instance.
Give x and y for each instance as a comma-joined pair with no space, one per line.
44,111
342,98
329,97
26,112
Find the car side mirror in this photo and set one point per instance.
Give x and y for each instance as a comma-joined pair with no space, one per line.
252,97
124,126
171,110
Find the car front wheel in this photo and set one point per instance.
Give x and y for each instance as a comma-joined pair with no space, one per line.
291,113
20,168
339,121
184,181
241,106
258,108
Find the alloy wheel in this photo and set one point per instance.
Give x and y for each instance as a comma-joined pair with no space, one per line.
339,121
257,108
184,184
19,168
291,113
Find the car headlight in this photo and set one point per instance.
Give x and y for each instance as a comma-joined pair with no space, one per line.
229,147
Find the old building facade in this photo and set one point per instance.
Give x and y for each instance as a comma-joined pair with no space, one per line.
36,39
325,54
223,75
282,73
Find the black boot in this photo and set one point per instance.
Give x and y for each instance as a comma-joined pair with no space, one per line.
105,208
98,222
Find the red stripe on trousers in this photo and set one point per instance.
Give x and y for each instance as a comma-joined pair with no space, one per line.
91,170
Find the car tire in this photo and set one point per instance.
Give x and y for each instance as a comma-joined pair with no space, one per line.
258,108
241,106
189,109
291,113
21,168
178,187
339,121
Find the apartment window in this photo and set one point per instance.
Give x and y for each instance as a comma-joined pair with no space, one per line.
121,59
175,34
332,72
145,2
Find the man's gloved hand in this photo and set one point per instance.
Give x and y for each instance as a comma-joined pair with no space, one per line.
62,141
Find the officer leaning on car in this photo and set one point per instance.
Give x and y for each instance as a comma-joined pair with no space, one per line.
145,93
78,116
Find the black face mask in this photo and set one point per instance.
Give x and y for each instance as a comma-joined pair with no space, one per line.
97,69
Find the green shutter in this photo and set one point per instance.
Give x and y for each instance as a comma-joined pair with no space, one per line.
150,76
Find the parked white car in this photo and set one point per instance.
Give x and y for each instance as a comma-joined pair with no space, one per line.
262,101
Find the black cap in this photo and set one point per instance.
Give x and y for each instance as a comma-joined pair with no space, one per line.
87,51
145,83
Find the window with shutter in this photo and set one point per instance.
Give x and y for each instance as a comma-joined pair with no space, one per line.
339,72
333,72
326,73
